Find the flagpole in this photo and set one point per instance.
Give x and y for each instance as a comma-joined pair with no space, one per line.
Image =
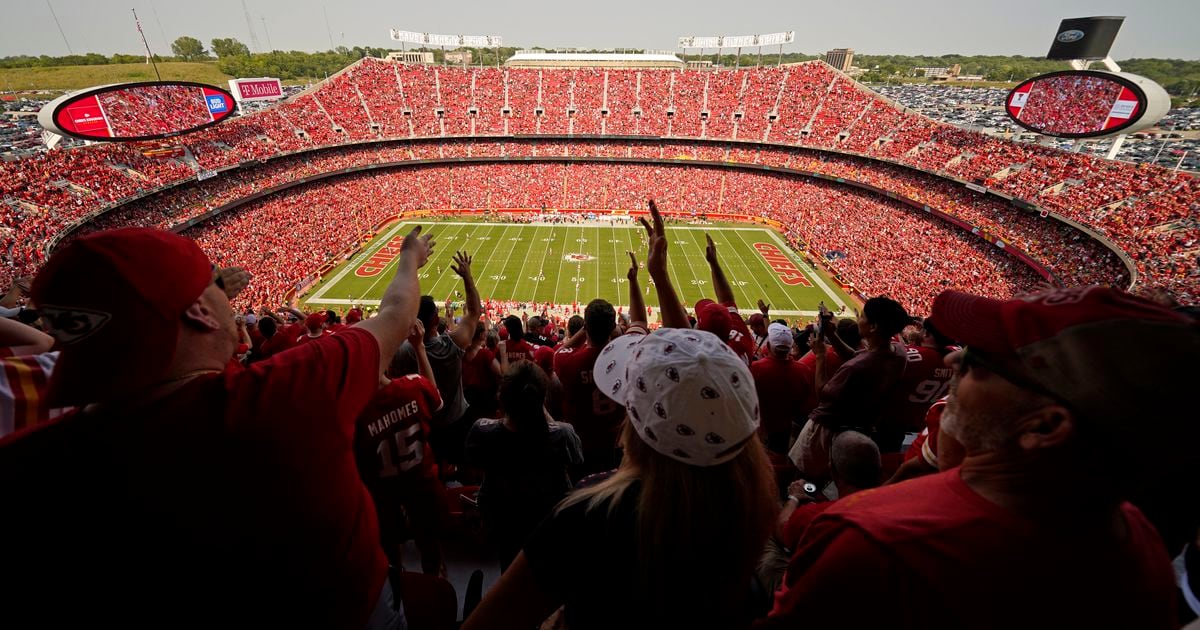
149,56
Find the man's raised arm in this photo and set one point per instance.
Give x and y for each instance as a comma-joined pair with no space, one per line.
669,307
637,305
720,283
398,307
464,332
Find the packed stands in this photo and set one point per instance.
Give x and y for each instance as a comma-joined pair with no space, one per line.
1070,104
1145,210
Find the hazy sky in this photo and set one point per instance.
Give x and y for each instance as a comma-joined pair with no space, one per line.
1153,28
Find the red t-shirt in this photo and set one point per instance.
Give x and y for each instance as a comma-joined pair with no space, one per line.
239,488
833,361
785,393
595,417
518,350
284,338
305,337
800,519
477,371
878,557
393,431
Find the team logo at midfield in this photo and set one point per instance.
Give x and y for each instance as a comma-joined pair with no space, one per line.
578,258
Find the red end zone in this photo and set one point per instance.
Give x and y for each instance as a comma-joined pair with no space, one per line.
782,265
380,259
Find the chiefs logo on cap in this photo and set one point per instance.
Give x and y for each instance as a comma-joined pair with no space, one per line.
71,325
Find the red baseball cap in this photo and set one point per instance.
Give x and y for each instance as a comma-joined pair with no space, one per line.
314,321
354,316
714,318
544,358
113,301
756,318
1122,361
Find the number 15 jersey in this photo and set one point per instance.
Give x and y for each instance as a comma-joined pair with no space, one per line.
392,434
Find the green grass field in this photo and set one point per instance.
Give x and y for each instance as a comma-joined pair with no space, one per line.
79,77
569,263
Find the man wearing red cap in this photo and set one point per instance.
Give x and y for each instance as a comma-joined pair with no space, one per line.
1067,403
721,318
184,492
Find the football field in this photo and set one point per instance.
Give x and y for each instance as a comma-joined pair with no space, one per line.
566,263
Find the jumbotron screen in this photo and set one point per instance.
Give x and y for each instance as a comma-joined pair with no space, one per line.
142,111
1076,104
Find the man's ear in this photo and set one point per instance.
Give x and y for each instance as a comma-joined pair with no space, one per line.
198,315
1049,427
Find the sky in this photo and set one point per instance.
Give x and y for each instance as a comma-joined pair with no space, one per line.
1153,28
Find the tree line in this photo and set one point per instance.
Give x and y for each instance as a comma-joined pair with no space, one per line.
1179,77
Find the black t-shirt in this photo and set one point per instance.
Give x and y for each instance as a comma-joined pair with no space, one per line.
587,559
521,476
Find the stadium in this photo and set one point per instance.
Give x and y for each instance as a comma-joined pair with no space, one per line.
790,192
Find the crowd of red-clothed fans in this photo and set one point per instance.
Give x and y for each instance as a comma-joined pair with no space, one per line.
1070,104
1147,211
154,110
719,469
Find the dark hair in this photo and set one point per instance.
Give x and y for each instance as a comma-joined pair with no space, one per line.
427,311
512,324
332,317
523,394
847,330
574,324
599,319
887,314
266,326
941,340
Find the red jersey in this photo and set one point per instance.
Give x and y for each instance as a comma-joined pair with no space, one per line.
249,474
926,378
392,434
518,350
986,566
305,338
595,417
477,371
786,393
833,361
740,337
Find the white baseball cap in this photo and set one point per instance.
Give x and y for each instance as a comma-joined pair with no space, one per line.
779,335
688,395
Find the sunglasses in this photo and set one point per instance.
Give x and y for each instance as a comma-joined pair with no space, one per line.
976,360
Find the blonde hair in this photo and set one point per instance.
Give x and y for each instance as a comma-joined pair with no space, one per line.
720,515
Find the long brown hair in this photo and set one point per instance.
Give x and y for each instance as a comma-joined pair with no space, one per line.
700,530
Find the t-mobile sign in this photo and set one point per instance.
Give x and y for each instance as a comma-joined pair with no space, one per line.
262,89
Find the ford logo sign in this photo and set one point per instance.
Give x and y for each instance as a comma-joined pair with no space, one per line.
1067,37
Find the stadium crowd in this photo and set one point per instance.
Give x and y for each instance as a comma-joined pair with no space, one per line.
154,110
887,247
1070,104
1144,209
723,471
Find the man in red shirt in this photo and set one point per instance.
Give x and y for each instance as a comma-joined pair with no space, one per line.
395,460
785,390
729,325
594,416
236,486
1061,423
314,328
